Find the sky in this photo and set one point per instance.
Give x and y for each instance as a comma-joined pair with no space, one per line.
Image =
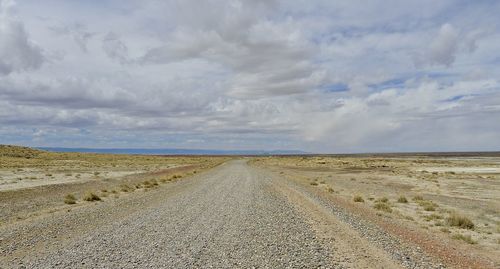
319,76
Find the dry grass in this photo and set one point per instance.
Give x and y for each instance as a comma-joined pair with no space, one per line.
418,198
126,188
91,197
382,207
69,199
382,200
433,217
402,199
465,238
427,205
456,220
358,199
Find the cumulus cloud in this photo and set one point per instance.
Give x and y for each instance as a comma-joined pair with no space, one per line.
251,74
17,51
448,42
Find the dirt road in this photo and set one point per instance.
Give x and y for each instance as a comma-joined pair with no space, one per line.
233,216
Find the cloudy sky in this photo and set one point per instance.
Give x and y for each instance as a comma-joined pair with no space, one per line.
320,76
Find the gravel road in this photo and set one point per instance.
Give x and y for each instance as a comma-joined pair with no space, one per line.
234,216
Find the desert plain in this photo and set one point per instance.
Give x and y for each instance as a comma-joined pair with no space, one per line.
67,210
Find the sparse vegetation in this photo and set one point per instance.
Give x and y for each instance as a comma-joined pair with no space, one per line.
418,198
460,221
427,205
383,200
465,238
126,188
445,230
314,183
358,199
433,217
402,199
383,207
69,199
91,197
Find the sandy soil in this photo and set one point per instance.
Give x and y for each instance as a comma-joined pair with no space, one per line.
233,216
444,187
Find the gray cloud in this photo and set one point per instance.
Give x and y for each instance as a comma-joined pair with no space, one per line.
17,52
77,31
115,48
324,76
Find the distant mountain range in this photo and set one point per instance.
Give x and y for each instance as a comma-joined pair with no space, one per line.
173,151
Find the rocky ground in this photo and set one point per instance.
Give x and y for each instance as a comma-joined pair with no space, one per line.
233,216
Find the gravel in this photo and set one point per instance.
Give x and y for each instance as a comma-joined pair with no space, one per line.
406,255
227,219
234,216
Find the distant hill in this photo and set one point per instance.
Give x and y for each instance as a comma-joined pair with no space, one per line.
18,151
173,151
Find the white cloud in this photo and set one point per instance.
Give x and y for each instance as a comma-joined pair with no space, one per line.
17,52
323,76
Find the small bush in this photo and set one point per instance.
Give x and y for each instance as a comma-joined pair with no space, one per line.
91,197
402,199
463,222
466,238
383,207
125,188
96,173
330,189
432,217
383,200
428,205
70,199
314,183
418,198
358,199
150,183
